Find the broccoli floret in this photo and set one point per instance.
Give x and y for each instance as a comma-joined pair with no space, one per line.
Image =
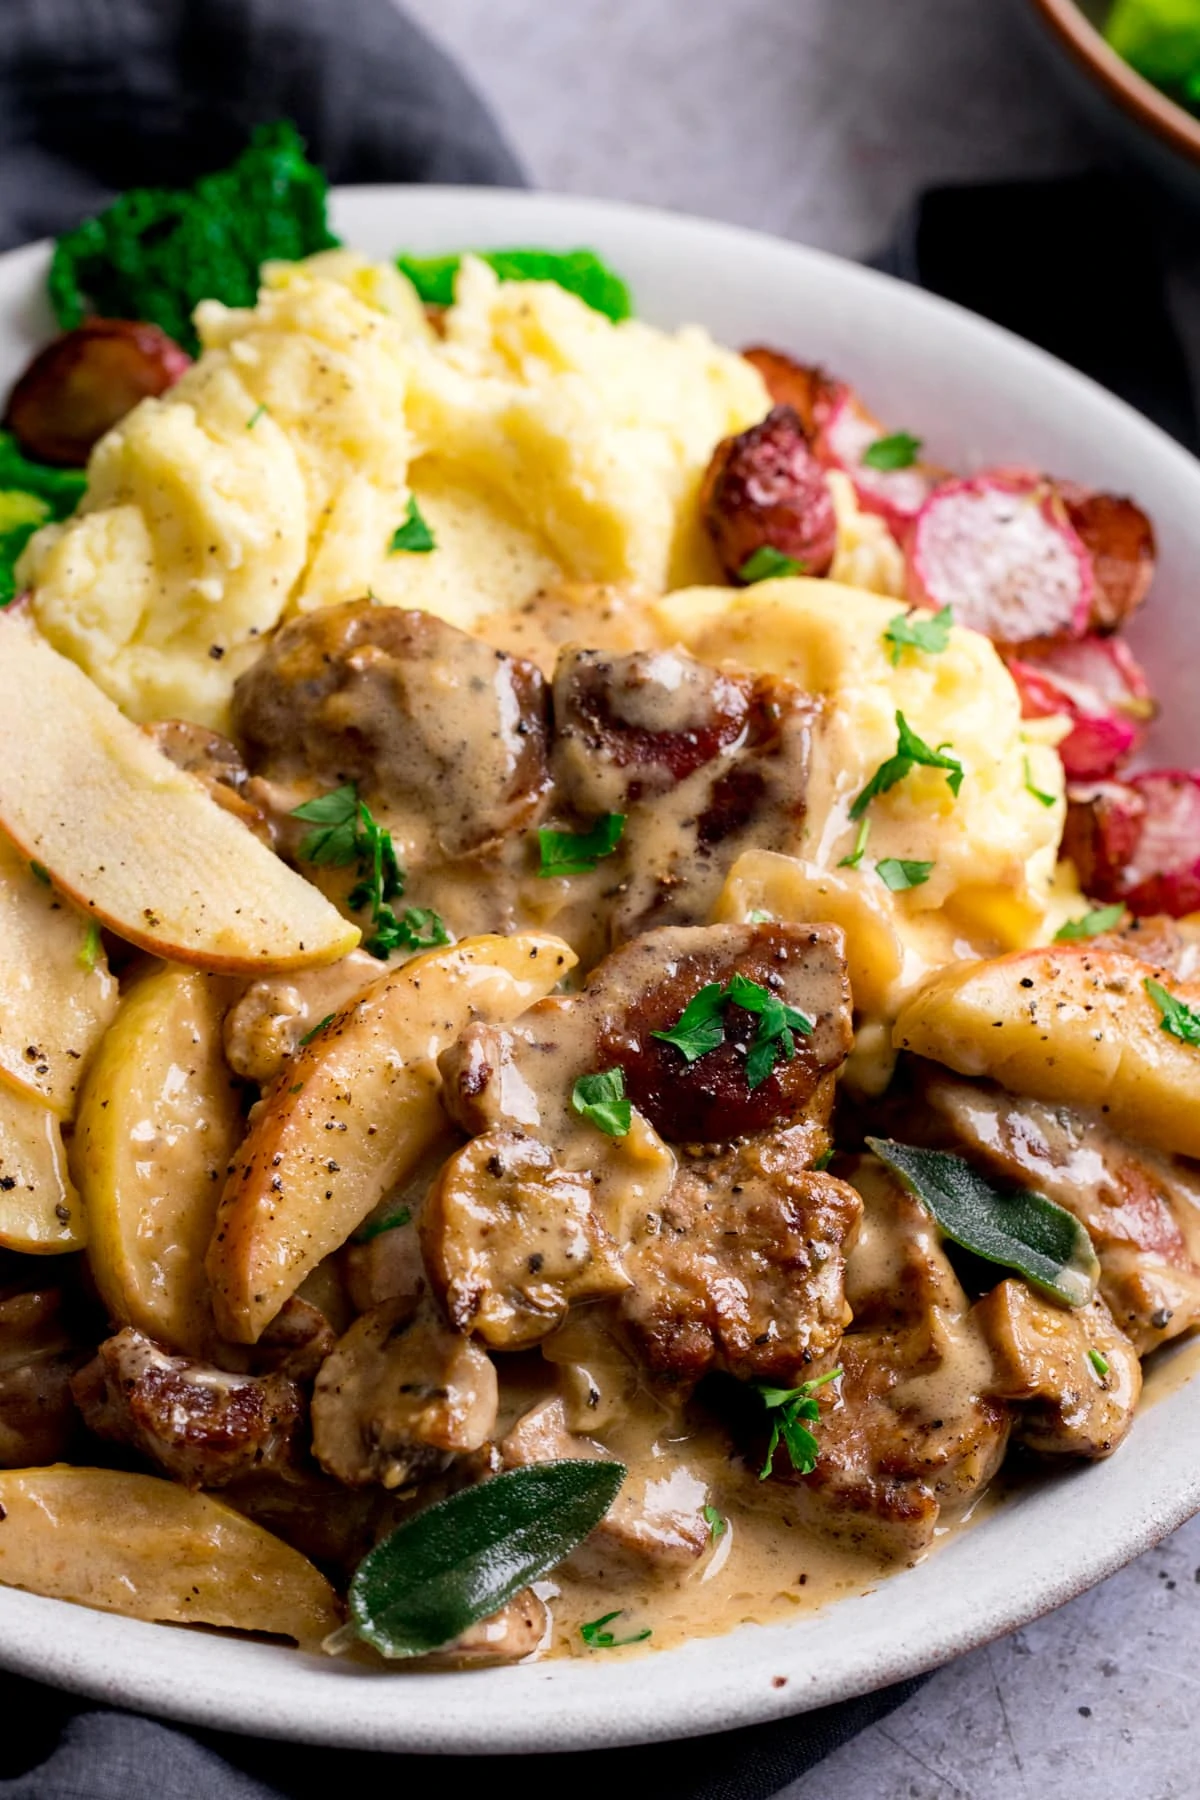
156,252
31,494
581,272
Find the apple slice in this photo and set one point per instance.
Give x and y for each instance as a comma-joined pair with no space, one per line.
134,839
147,1548
40,1212
352,1114
56,994
1070,1024
159,1118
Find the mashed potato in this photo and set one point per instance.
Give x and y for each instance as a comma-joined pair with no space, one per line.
993,848
540,440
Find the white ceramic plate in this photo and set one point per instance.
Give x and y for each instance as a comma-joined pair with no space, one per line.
976,395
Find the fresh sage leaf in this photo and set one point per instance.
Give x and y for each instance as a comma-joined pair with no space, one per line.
463,1558
1014,1227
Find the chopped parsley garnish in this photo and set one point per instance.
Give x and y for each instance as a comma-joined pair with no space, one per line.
716,1521
860,843
376,1227
768,564
911,752
594,1633
39,873
317,1029
89,952
600,1099
919,630
899,450
788,1407
1178,1019
578,852
348,833
700,1027
1099,1363
1043,798
898,875
1101,918
826,1157
760,917
414,535
256,415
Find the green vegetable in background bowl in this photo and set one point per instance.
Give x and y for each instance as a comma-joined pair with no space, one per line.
1161,40
31,494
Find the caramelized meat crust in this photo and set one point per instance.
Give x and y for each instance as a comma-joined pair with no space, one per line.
201,1425
742,1267
427,720
913,1430
644,988
765,489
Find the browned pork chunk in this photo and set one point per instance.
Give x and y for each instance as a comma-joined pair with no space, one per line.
765,490
703,763
1141,1208
399,1398
203,1426
742,1267
437,729
657,1521
1073,1377
37,1355
911,1432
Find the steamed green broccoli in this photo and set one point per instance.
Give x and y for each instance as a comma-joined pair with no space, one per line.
1161,39
581,272
31,494
156,252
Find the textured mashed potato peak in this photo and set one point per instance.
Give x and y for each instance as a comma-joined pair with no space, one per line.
540,440
992,847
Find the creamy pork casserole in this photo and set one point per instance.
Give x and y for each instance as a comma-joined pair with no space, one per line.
668,1022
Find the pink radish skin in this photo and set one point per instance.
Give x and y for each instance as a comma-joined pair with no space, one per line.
1139,841
846,432
1000,550
1099,685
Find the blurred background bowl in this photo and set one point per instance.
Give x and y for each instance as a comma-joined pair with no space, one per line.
1162,135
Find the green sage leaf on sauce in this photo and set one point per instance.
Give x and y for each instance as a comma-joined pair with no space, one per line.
463,1558
1014,1227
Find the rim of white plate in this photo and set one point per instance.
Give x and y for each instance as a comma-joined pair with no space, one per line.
973,390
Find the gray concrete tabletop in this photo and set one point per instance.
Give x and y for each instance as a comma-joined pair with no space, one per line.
819,120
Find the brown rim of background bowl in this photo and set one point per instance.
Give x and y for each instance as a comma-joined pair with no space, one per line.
1132,92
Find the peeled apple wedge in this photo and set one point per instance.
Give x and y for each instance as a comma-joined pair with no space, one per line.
1068,1024
352,1114
159,1119
136,841
56,994
146,1548
40,1212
